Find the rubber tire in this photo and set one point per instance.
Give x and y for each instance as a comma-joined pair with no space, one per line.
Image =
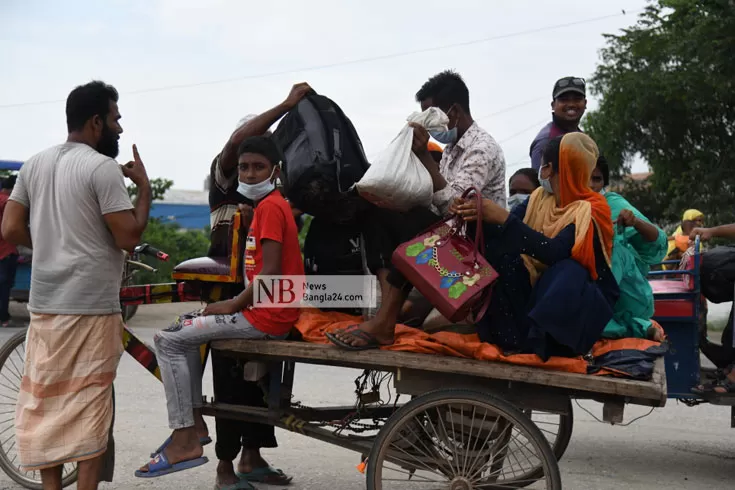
516,416
566,427
6,466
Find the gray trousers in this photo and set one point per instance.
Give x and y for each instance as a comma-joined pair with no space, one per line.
177,351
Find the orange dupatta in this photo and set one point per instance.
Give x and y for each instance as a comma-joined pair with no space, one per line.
578,204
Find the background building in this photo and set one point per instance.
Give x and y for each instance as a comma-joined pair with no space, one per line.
186,208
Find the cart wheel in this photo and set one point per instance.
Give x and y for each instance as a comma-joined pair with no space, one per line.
12,360
460,440
556,427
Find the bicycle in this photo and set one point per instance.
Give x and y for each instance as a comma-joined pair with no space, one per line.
201,279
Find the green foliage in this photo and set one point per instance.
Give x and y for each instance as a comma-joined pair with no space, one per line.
667,95
180,244
158,188
304,231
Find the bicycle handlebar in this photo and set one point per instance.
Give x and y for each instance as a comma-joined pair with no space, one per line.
146,249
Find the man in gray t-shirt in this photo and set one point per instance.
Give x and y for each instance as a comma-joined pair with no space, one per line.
72,187
71,206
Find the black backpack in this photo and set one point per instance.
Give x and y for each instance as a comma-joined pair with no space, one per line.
331,250
334,250
323,159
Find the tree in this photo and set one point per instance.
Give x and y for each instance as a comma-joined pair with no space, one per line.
667,94
180,244
159,187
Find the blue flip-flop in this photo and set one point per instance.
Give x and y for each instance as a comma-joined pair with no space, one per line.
267,475
160,466
203,441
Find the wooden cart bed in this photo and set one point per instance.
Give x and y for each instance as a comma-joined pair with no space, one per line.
446,370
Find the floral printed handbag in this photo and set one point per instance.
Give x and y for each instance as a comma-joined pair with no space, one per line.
449,268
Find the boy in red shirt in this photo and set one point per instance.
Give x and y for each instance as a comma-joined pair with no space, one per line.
272,249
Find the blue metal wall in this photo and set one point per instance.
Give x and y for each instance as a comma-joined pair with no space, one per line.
189,216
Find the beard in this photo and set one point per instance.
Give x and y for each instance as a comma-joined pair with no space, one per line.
108,143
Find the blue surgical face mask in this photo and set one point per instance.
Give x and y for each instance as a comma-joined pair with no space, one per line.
445,137
517,199
545,183
256,192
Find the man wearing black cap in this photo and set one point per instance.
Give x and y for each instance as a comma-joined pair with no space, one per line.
568,105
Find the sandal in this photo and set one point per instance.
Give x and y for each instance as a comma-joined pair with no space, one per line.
370,341
267,475
241,485
160,466
709,389
203,441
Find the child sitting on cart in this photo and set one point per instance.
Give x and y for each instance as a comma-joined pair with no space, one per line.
272,249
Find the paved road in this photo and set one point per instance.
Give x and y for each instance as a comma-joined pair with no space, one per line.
675,447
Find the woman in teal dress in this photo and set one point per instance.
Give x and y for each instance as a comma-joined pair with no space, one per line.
637,245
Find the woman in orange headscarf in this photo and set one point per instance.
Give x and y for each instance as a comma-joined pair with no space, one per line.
556,290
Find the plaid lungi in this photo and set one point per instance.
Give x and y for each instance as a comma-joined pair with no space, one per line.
65,405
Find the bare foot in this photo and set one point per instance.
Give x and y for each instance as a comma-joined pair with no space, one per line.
226,474
727,386
383,333
199,424
722,387
177,452
251,460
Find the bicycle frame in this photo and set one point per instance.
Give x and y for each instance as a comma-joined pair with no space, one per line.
147,294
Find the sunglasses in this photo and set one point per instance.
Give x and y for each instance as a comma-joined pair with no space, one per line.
578,82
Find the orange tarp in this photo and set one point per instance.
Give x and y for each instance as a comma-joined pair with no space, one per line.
313,324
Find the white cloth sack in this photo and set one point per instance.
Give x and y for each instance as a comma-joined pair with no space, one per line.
397,179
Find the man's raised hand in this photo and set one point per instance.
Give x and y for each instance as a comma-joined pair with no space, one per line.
135,170
298,92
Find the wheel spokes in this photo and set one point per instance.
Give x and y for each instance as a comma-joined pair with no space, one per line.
462,445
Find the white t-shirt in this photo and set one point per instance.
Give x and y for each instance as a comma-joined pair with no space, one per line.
77,268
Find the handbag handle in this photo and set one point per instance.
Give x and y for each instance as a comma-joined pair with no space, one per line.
479,241
459,223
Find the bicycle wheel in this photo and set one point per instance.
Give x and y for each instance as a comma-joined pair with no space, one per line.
459,439
12,360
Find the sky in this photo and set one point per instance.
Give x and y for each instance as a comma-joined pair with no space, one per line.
188,71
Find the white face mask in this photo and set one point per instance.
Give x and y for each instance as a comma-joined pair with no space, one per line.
256,192
517,199
545,183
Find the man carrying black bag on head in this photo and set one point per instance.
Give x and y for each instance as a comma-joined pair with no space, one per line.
229,383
